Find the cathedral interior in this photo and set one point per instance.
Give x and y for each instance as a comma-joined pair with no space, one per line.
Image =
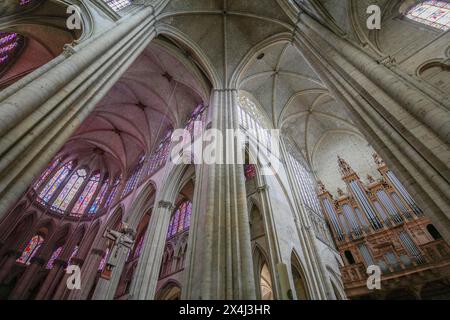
356,117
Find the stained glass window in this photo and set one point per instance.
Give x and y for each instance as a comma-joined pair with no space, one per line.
134,177
113,192
86,196
72,255
435,14
250,171
138,249
54,256
181,219
103,261
10,44
46,173
198,115
55,182
117,5
98,200
159,157
253,122
69,191
31,249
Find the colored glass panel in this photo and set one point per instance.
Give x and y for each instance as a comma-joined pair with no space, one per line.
55,182
117,5
30,250
70,190
181,219
435,14
98,200
54,256
10,44
86,196
46,173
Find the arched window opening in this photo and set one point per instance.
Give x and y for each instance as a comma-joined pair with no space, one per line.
198,115
72,255
434,232
104,260
31,249
349,257
253,122
167,262
435,14
180,219
46,173
138,248
55,182
134,177
25,2
303,178
99,199
10,46
299,285
55,255
76,181
249,171
112,194
266,284
86,196
118,5
159,157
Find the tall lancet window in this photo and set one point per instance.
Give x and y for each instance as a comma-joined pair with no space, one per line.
435,14
71,188
134,177
46,173
181,219
10,45
55,255
252,120
86,196
99,199
31,249
112,194
55,182
159,157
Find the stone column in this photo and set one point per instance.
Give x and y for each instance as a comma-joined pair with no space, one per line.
22,287
38,117
145,280
8,263
313,262
406,126
52,280
220,264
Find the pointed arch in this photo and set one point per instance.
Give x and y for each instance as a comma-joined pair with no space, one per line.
300,284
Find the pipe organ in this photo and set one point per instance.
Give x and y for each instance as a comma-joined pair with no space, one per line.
379,223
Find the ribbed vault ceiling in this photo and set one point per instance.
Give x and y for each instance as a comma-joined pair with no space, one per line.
159,91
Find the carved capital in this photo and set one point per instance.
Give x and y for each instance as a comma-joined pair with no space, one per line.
166,205
68,50
262,188
387,61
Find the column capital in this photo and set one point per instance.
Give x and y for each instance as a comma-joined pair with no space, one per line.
68,50
166,205
262,188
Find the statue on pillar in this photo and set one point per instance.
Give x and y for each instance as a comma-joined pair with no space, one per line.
124,238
